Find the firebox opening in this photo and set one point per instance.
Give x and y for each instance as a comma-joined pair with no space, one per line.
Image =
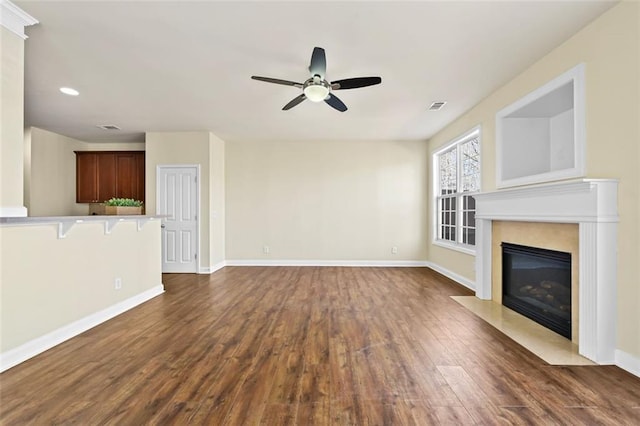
536,283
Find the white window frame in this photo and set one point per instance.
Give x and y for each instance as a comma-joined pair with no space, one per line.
454,144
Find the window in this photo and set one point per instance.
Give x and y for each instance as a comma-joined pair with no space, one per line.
457,178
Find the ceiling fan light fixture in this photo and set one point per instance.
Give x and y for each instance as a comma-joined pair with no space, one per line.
316,92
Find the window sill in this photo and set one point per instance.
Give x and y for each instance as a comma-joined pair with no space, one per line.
457,247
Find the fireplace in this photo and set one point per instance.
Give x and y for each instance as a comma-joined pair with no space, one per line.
536,283
590,203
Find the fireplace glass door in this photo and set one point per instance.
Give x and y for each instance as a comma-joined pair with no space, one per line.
537,283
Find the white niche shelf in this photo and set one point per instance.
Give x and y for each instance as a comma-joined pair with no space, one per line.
541,137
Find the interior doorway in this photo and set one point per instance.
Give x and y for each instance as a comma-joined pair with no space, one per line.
177,198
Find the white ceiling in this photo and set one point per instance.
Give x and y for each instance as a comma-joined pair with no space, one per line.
180,66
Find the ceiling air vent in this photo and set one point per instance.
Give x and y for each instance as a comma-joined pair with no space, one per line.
436,106
108,127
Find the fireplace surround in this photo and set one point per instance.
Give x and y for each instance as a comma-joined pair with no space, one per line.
590,203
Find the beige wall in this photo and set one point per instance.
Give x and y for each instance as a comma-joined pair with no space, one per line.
610,49
326,200
206,150
68,279
50,185
11,119
217,208
50,171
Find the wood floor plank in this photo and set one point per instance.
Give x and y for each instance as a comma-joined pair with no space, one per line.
453,416
315,413
307,346
279,414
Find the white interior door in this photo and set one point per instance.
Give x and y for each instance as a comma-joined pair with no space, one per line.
178,199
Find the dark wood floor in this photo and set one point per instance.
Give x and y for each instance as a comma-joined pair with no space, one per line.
307,346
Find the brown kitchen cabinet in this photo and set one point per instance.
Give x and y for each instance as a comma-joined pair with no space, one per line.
101,175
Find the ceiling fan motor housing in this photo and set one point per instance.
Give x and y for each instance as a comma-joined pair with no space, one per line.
316,89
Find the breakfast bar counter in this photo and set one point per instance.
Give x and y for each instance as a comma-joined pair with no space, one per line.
62,275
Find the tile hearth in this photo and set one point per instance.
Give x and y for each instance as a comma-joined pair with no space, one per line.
551,347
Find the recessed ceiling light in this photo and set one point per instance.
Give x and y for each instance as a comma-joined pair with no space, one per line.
69,91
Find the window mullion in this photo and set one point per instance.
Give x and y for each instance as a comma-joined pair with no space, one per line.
459,188
439,216
459,228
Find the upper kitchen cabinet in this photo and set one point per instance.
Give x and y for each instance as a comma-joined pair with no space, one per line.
130,175
101,175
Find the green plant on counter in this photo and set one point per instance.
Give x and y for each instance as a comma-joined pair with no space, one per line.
123,202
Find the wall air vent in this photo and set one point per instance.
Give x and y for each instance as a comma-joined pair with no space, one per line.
436,105
108,127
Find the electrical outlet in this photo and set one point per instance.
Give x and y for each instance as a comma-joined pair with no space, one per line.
266,250
117,284
394,250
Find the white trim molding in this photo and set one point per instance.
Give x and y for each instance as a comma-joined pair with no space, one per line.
212,269
348,263
13,211
65,223
453,276
15,19
593,205
40,344
217,266
628,362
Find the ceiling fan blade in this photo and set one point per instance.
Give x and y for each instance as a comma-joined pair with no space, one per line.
295,101
318,64
277,81
336,103
354,83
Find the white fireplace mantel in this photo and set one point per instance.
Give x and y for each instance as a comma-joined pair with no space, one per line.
593,205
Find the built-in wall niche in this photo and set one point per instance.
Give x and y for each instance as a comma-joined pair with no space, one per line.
541,137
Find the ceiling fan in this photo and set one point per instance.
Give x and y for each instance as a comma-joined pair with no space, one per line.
316,88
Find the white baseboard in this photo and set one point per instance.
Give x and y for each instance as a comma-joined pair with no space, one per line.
350,263
628,362
471,285
40,344
218,266
212,269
